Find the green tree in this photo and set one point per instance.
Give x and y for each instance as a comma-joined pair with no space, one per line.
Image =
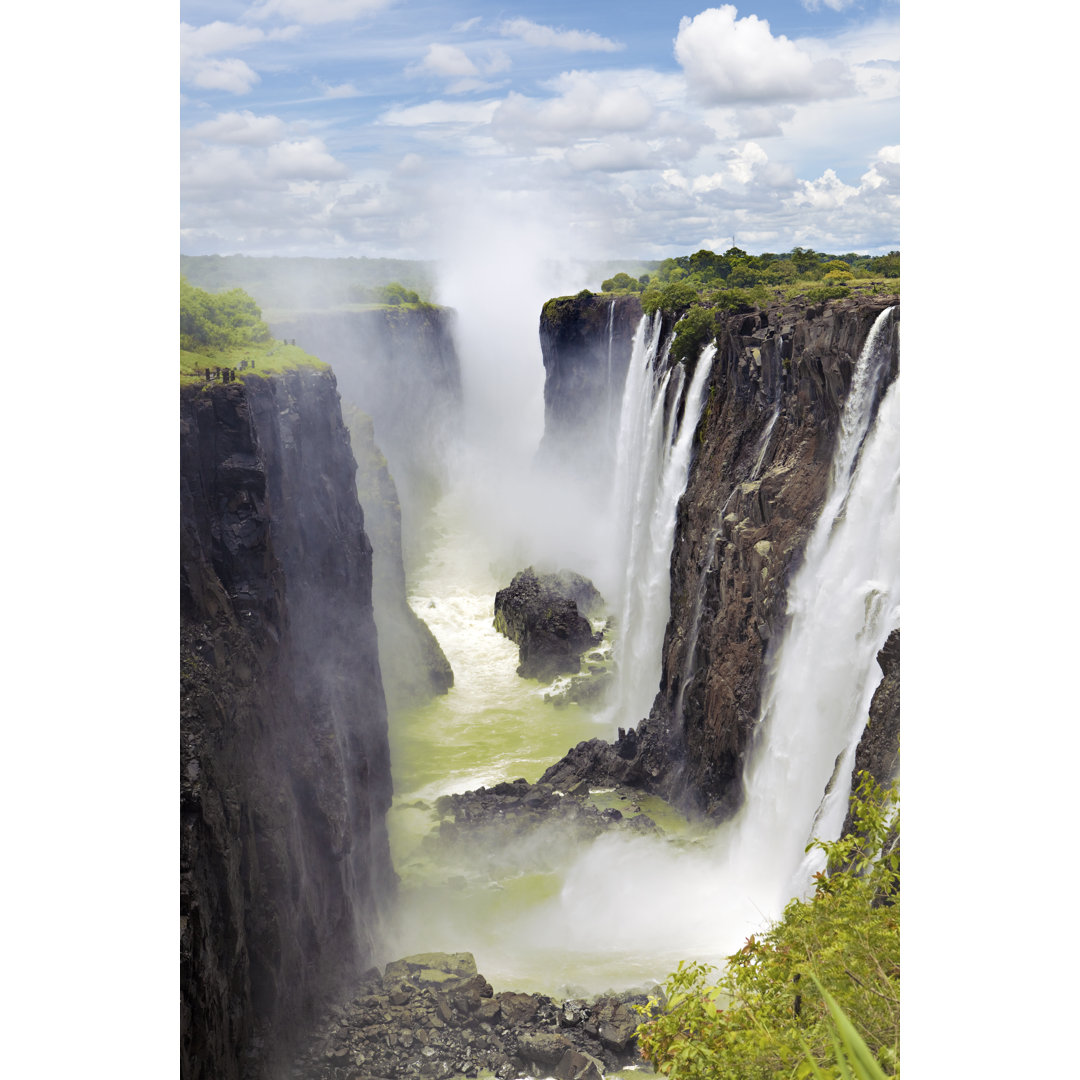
806,260
693,332
218,320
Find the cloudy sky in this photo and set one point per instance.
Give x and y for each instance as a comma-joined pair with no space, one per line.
378,127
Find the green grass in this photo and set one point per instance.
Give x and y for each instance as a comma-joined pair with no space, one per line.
270,358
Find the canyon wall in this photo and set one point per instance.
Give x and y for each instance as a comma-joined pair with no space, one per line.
585,341
756,484
400,367
414,667
285,772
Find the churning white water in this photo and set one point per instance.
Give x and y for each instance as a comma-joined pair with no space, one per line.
656,429
625,909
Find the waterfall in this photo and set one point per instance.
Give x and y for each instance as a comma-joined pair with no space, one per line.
842,604
657,421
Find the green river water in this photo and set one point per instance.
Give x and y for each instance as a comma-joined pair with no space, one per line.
546,915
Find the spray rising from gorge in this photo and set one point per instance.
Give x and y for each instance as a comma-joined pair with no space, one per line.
539,915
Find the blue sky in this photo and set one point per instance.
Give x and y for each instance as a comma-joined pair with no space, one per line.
386,127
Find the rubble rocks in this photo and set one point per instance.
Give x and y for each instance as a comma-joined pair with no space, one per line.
433,1015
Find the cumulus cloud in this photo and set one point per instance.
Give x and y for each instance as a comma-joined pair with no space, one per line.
446,60
587,105
303,159
728,60
547,37
198,44
231,74
452,62
240,128
317,11
342,90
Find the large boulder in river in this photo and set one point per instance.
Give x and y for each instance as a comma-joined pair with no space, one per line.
541,613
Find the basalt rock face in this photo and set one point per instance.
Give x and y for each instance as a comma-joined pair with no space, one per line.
585,343
414,667
878,752
400,367
285,773
757,482
537,613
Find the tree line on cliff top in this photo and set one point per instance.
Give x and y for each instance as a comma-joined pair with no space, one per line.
698,288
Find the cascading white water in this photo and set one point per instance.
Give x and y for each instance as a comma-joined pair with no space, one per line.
652,460
842,604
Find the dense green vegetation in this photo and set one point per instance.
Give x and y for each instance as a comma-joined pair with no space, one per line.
771,1013
218,320
393,294
735,279
225,331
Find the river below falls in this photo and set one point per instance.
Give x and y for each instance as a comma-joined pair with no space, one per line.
547,915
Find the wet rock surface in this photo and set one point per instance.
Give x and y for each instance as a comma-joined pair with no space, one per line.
435,1015
495,817
756,483
541,614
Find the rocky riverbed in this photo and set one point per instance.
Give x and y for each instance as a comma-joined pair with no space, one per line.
434,1015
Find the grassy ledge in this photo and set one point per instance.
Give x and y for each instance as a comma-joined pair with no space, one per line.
261,359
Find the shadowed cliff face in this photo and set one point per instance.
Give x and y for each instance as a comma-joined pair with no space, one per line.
400,367
756,485
586,347
414,667
285,775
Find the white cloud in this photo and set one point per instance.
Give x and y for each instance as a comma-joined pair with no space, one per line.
231,74
463,27
618,153
546,37
240,128
835,5
303,159
199,43
441,112
448,60
342,90
826,193
728,60
588,105
317,11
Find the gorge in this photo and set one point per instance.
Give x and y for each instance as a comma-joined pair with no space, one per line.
736,509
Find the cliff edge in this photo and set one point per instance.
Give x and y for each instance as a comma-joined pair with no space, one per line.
285,772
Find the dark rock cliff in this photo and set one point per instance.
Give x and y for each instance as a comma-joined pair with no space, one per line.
400,367
756,485
540,613
285,773
586,347
414,667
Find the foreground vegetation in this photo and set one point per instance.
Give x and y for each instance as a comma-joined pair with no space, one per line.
818,994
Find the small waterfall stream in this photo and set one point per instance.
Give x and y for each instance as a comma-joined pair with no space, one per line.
657,422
